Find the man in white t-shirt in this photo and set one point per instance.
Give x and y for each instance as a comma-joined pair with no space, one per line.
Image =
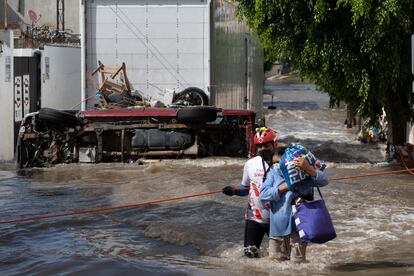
254,173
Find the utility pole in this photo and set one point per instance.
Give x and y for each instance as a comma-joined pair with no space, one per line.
60,15
5,14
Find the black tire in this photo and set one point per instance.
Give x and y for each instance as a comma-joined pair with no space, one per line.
21,157
197,114
192,95
57,117
25,155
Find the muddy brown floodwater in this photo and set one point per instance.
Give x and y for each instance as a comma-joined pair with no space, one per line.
374,217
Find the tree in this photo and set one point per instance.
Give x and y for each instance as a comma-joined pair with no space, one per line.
358,51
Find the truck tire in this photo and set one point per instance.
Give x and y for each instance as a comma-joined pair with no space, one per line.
21,157
57,117
192,96
197,114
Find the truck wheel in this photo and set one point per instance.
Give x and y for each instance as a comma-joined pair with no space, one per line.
21,157
197,114
57,117
191,96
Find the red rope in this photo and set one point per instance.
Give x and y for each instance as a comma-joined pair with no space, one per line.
99,210
371,174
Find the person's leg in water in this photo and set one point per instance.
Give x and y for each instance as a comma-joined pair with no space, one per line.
298,252
279,248
253,236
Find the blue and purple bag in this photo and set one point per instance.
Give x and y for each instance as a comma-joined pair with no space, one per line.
291,173
313,221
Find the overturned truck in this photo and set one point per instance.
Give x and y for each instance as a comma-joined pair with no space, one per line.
52,136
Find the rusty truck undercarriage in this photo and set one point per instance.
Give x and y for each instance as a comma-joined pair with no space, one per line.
51,136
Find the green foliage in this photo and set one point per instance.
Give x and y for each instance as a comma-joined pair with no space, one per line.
358,51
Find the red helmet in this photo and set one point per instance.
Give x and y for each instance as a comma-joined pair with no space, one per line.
265,135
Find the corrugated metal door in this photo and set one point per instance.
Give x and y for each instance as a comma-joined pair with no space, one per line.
255,75
237,74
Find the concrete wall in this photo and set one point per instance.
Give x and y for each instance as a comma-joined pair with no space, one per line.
6,97
47,9
276,70
61,77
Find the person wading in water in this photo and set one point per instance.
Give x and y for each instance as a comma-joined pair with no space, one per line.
254,174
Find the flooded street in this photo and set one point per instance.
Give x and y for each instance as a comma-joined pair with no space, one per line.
373,217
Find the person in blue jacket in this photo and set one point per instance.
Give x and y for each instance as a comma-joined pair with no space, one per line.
284,242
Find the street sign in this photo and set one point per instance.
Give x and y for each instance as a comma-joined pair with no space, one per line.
26,94
7,77
18,115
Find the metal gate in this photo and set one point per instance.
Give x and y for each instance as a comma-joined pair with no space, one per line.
26,88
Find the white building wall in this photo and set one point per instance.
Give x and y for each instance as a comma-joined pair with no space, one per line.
6,97
61,77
